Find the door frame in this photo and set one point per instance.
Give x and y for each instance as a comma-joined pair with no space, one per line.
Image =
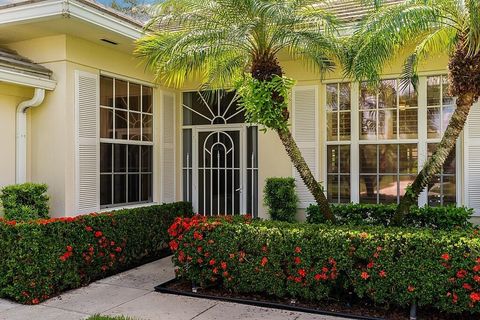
242,129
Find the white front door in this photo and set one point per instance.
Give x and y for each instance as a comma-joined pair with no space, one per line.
219,170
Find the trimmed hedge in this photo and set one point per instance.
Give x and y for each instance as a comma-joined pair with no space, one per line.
281,198
42,258
449,217
25,201
387,266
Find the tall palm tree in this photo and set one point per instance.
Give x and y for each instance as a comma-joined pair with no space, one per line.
220,40
430,27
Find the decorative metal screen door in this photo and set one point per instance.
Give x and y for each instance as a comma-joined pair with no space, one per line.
219,170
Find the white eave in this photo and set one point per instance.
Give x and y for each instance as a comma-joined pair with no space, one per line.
11,76
28,11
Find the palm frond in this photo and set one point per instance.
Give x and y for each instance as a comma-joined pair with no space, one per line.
473,35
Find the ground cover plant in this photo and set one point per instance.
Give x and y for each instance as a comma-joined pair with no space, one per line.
44,257
391,267
448,217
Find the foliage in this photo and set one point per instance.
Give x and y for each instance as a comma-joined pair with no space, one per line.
25,201
281,198
44,257
260,100
217,41
387,266
448,217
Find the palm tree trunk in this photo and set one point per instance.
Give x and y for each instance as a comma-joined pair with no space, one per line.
436,161
305,173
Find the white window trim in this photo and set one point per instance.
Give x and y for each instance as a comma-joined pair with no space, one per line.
111,207
355,141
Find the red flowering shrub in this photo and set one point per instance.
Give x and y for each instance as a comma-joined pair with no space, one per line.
391,266
41,258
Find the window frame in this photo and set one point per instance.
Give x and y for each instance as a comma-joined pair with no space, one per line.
421,141
114,141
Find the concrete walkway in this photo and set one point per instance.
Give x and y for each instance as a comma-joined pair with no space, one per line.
131,294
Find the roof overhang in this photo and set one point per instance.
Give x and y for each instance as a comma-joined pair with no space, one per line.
85,10
20,78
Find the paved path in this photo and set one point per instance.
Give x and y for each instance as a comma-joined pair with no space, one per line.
131,293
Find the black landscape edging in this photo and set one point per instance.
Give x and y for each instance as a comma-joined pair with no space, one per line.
163,288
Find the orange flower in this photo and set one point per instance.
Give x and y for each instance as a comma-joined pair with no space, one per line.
264,261
365,275
411,288
382,274
298,249
445,256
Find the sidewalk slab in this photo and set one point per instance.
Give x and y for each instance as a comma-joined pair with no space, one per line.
41,313
158,306
95,298
145,277
6,305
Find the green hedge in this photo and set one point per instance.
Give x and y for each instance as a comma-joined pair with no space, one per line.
387,266
25,201
281,198
448,217
42,258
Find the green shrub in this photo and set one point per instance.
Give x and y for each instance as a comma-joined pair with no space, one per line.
387,266
380,214
281,199
25,201
41,258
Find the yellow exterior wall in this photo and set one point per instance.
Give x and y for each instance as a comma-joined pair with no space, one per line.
10,97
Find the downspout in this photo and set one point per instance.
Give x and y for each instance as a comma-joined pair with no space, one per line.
21,134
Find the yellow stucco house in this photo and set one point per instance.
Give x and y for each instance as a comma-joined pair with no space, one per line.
79,112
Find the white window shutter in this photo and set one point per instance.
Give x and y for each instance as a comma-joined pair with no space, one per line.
472,159
168,147
87,142
304,119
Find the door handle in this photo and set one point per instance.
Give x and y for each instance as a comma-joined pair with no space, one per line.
239,189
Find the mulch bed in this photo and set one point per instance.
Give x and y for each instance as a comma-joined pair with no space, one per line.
355,309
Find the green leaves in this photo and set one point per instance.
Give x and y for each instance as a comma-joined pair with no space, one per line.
25,202
261,102
281,198
215,41
45,257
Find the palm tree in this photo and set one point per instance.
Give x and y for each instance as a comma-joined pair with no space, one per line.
429,27
220,40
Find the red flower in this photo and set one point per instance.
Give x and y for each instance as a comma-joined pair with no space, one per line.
199,260
215,270
89,229
455,298
35,301
264,261
69,248
297,260
411,288
332,261
298,279
173,245
199,249
446,256
317,277
197,236
461,274
112,256
382,274
364,275
467,287
476,278
264,248
223,264
324,269
475,296
231,255
104,268
370,265
112,243
476,268
298,249
118,249
302,272
98,234
212,262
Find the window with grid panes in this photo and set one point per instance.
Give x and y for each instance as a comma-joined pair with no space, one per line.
338,142
126,142
388,149
440,107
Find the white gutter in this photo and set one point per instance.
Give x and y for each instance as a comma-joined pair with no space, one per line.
21,134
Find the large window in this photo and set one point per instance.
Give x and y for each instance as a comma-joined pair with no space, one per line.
126,142
383,134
